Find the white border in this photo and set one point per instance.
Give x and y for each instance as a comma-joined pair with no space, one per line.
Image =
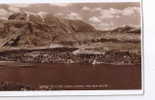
63,1
80,92
73,93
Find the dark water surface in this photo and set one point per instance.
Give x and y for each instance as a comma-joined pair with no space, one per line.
75,76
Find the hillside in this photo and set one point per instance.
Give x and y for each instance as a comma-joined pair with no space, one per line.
34,30
23,31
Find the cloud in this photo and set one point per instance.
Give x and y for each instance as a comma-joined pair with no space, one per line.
73,16
94,19
85,8
61,4
130,11
105,26
101,24
110,13
117,13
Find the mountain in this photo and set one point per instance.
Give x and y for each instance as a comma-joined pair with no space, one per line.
24,29
127,29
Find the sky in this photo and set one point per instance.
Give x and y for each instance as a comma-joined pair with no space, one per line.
102,16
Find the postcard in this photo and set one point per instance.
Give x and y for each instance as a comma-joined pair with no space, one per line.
71,48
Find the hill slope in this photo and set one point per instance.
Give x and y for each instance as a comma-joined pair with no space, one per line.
34,30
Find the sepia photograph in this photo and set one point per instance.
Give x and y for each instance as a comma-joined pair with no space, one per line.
70,46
